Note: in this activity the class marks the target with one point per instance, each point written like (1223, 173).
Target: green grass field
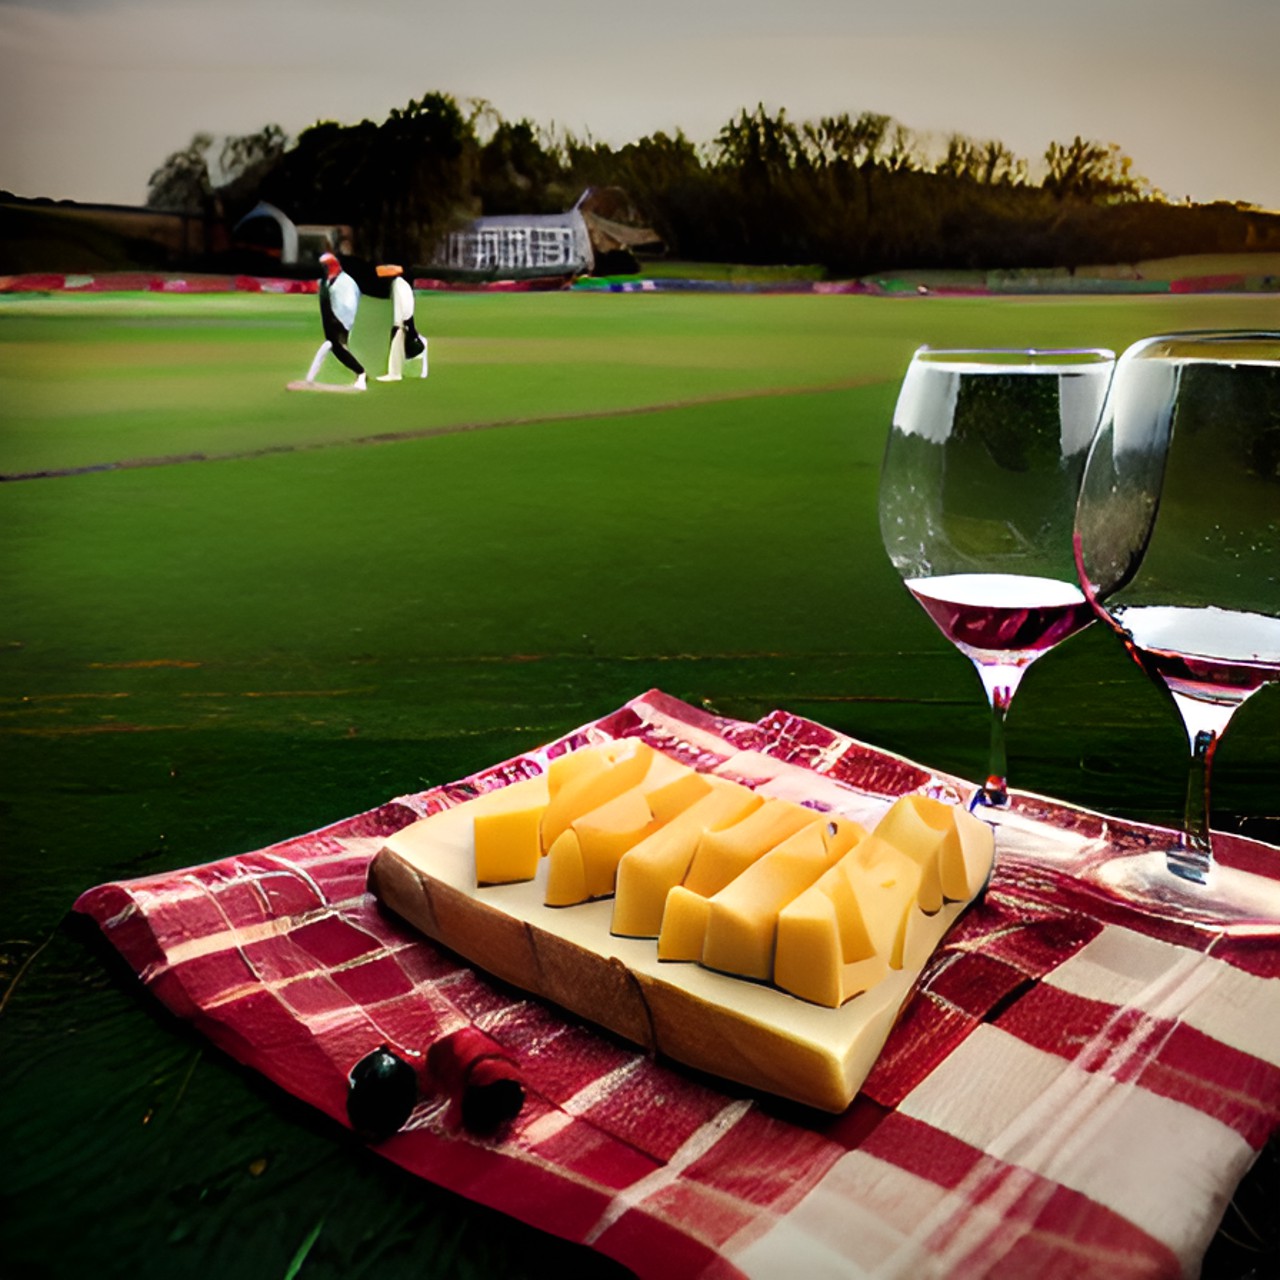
(233, 613)
(590, 495)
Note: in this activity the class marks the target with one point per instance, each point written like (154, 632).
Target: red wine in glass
(977, 500)
(1003, 617)
(1177, 543)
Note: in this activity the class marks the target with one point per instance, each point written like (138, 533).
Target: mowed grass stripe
(673, 532)
(89, 381)
(121, 389)
(421, 433)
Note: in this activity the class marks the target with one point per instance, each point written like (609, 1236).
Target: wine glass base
(1228, 901)
(989, 796)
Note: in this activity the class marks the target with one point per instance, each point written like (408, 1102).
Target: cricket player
(339, 301)
(406, 342)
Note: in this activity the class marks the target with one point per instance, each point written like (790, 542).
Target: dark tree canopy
(852, 193)
(182, 182)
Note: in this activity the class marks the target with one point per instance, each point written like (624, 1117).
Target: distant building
(577, 242)
(520, 244)
(601, 232)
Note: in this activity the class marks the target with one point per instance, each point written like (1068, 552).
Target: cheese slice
(856, 922)
(965, 876)
(918, 827)
(721, 856)
(886, 881)
(606, 773)
(742, 918)
(566, 884)
(503, 827)
(825, 950)
(581, 762)
(649, 870)
(684, 925)
(946, 841)
(584, 859)
(668, 798)
(606, 833)
(506, 834)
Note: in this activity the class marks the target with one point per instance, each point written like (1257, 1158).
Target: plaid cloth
(1075, 1089)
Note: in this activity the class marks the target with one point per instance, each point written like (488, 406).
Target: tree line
(852, 193)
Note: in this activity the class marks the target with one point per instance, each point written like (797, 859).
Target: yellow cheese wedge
(742, 917)
(723, 855)
(853, 925)
(719, 858)
(566, 873)
(578, 763)
(649, 870)
(684, 925)
(886, 882)
(587, 787)
(585, 866)
(951, 845)
(506, 834)
(909, 831)
(920, 828)
(825, 952)
(964, 877)
(667, 799)
(503, 830)
(606, 833)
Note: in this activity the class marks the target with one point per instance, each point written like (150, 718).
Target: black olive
(381, 1092)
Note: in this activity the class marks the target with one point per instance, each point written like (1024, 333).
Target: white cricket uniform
(344, 298)
(406, 341)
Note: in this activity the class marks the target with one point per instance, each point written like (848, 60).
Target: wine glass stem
(996, 789)
(1194, 856)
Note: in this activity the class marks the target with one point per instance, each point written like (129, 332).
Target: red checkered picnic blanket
(1075, 1089)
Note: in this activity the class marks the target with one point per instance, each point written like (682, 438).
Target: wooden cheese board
(744, 1031)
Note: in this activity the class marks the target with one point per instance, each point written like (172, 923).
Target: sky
(95, 94)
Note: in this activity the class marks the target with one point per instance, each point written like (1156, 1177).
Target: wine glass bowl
(978, 495)
(1177, 544)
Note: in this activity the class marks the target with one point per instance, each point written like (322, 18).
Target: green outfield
(589, 495)
(233, 612)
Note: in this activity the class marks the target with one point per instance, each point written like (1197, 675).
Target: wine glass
(1177, 546)
(977, 500)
